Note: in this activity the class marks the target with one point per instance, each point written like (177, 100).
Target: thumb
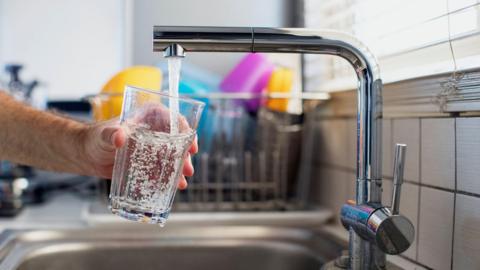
(112, 138)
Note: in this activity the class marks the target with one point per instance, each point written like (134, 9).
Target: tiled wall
(441, 195)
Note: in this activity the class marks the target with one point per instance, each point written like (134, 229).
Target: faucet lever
(398, 168)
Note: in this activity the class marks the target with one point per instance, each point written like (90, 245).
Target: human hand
(104, 138)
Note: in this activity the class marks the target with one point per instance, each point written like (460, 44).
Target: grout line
(420, 120)
(430, 186)
(468, 194)
(419, 196)
(455, 195)
(346, 169)
(417, 235)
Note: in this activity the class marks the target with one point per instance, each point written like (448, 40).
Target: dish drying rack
(249, 161)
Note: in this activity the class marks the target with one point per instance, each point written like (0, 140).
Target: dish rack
(248, 161)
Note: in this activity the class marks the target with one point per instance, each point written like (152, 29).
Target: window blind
(410, 38)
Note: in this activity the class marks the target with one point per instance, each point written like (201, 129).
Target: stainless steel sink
(176, 247)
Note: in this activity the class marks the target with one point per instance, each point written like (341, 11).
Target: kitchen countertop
(69, 210)
(60, 211)
(66, 197)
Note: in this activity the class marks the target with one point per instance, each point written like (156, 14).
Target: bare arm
(52, 142)
(40, 139)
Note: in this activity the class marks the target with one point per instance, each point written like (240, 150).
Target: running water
(174, 66)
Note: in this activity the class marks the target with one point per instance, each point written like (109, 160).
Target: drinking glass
(160, 129)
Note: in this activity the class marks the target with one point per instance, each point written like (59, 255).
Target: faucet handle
(391, 232)
(398, 169)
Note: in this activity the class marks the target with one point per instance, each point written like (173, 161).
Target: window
(410, 38)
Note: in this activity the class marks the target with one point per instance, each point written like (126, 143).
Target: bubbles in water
(152, 165)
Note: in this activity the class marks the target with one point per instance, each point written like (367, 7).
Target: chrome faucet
(368, 245)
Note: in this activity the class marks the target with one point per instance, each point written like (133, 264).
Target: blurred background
(97, 39)
(298, 156)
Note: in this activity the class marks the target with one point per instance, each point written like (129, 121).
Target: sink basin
(149, 247)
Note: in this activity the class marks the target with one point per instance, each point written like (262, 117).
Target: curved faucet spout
(286, 40)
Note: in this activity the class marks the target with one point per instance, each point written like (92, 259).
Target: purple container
(250, 75)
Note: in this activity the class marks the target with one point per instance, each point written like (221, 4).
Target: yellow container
(280, 81)
(108, 104)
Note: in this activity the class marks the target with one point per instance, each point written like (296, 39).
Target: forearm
(40, 139)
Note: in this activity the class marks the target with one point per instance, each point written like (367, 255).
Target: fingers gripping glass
(160, 129)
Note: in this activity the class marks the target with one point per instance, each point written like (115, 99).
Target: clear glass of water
(160, 130)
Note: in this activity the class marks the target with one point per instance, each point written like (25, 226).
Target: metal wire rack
(247, 161)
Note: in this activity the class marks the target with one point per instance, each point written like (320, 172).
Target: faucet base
(342, 263)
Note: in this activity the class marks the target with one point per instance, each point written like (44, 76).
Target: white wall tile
(466, 252)
(408, 131)
(435, 228)
(468, 154)
(438, 152)
(408, 207)
(404, 263)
